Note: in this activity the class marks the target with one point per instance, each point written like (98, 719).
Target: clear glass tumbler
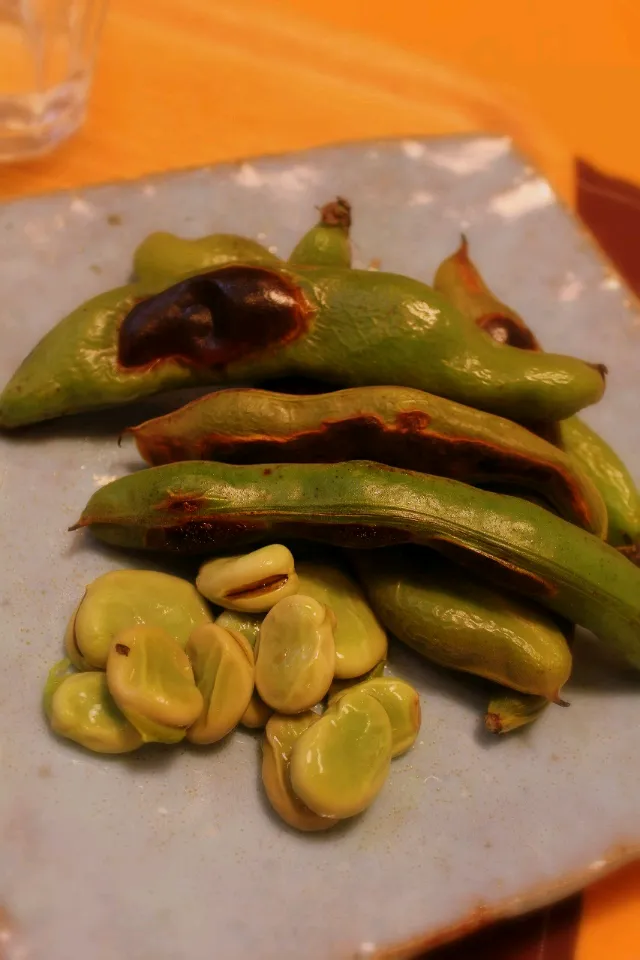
(47, 49)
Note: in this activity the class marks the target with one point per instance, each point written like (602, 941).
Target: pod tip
(631, 552)
(336, 214)
(493, 723)
(125, 433)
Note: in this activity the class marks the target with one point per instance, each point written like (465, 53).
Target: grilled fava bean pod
(360, 504)
(223, 668)
(327, 244)
(151, 680)
(609, 475)
(253, 582)
(459, 279)
(280, 736)
(509, 709)
(436, 608)
(197, 507)
(296, 654)
(162, 258)
(127, 598)
(340, 763)
(248, 322)
(402, 705)
(394, 425)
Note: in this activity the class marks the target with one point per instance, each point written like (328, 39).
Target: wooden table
(189, 83)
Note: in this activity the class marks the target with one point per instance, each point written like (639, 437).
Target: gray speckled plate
(172, 854)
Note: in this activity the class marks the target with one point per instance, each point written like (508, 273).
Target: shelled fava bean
(297, 652)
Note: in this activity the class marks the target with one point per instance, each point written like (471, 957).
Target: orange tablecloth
(203, 80)
(188, 83)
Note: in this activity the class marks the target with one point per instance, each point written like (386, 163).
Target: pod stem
(631, 552)
(493, 722)
(336, 214)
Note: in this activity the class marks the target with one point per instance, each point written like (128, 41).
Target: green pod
(605, 469)
(459, 279)
(440, 611)
(246, 322)
(327, 244)
(197, 507)
(162, 258)
(395, 425)
(84, 373)
(509, 711)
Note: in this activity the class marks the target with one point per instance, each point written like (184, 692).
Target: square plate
(172, 853)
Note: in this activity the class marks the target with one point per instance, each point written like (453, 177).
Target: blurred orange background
(205, 80)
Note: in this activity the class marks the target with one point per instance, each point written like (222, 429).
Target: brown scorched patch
(214, 319)
(407, 443)
(200, 536)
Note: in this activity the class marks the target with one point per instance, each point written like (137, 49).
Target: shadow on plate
(105, 423)
(113, 421)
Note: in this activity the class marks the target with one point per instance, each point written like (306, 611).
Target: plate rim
(541, 895)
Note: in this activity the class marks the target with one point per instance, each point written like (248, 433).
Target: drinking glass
(47, 49)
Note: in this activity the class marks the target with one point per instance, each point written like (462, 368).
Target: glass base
(34, 124)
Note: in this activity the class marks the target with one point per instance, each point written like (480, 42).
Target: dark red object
(610, 208)
(214, 318)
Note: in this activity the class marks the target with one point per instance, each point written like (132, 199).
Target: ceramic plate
(173, 854)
